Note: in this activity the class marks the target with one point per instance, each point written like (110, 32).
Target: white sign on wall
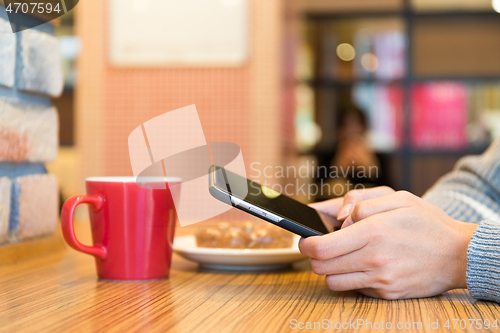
(178, 32)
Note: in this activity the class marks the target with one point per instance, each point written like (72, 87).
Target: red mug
(132, 227)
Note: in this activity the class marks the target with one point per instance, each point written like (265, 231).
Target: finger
(335, 244)
(356, 261)
(355, 196)
(347, 222)
(330, 207)
(351, 239)
(349, 281)
(369, 207)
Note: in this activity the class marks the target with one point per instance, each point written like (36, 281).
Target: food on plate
(247, 235)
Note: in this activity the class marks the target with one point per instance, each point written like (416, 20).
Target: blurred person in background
(352, 161)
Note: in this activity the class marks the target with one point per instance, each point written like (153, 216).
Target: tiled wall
(241, 104)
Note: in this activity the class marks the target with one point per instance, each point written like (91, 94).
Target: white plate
(237, 259)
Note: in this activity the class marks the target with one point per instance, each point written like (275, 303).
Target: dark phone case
(291, 226)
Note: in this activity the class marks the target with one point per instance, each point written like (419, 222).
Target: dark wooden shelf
(352, 15)
(471, 78)
(414, 152)
(398, 13)
(334, 83)
(407, 155)
(325, 83)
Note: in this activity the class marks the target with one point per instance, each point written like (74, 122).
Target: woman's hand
(397, 246)
(341, 208)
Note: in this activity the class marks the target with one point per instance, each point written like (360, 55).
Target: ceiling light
(346, 52)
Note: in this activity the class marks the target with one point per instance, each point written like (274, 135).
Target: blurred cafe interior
(423, 77)
(401, 89)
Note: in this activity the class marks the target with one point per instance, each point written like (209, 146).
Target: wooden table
(60, 292)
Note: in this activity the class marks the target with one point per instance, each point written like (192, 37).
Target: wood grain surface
(31, 248)
(60, 293)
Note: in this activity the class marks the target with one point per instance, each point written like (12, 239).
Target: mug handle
(68, 230)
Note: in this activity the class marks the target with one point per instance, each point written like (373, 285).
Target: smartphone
(268, 205)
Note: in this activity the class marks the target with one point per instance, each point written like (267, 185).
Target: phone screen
(273, 201)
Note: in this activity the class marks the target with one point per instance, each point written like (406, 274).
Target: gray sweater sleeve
(483, 262)
(471, 193)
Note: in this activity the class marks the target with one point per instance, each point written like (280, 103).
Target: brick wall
(30, 73)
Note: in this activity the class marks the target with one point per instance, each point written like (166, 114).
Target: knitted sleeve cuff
(483, 262)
